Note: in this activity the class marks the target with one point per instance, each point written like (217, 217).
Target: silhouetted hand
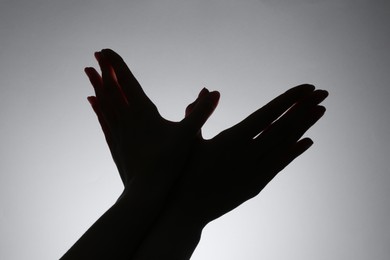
(150, 153)
(231, 168)
(237, 164)
(216, 175)
(143, 144)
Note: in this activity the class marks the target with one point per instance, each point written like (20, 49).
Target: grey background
(57, 176)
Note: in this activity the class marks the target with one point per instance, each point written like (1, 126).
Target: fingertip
(307, 86)
(97, 55)
(88, 70)
(203, 92)
(216, 92)
(91, 100)
(324, 93)
(303, 145)
(307, 142)
(298, 149)
(214, 96)
(319, 110)
(107, 50)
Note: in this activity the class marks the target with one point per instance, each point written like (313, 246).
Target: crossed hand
(170, 163)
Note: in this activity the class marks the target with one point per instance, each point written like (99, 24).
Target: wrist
(174, 236)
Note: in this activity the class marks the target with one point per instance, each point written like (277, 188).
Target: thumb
(198, 112)
(191, 106)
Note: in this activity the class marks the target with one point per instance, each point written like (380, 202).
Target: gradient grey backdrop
(57, 176)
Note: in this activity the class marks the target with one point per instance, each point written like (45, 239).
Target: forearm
(119, 231)
(174, 236)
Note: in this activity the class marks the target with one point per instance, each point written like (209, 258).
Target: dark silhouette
(176, 182)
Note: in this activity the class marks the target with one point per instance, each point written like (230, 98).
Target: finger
(191, 106)
(129, 84)
(111, 89)
(304, 124)
(95, 79)
(259, 120)
(278, 160)
(298, 149)
(105, 105)
(298, 118)
(310, 101)
(201, 112)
